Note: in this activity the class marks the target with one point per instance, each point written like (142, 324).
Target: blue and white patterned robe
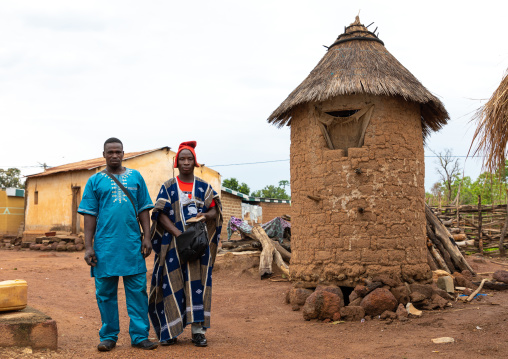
(180, 295)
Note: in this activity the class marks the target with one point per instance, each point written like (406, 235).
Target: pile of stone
(9, 241)
(382, 297)
(59, 243)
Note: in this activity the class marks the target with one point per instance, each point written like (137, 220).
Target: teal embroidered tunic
(117, 243)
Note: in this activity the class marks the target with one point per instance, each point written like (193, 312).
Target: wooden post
(502, 252)
(480, 239)
(458, 214)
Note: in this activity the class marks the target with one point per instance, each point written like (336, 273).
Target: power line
(247, 163)
(255, 163)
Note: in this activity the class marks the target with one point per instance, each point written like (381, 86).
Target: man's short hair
(112, 140)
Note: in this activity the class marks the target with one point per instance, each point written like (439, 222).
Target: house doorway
(76, 199)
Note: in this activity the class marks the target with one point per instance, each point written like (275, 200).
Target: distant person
(114, 247)
(181, 293)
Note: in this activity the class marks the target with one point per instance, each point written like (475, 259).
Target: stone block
(298, 296)
(332, 289)
(28, 328)
(446, 283)
(378, 301)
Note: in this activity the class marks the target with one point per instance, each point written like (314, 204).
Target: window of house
(36, 197)
(344, 129)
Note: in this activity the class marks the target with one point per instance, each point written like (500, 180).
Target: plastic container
(13, 295)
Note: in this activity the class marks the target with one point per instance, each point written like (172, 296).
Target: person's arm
(90, 224)
(168, 225)
(146, 244)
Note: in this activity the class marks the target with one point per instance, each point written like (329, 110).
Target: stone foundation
(28, 328)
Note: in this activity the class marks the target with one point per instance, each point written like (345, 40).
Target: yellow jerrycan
(13, 295)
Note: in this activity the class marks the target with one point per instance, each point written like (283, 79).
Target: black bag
(192, 243)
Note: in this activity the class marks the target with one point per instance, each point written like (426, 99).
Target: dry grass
(491, 134)
(356, 65)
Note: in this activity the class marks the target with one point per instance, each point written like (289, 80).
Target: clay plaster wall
(272, 210)
(331, 240)
(231, 207)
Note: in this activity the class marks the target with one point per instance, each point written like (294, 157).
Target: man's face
(113, 153)
(186, 162)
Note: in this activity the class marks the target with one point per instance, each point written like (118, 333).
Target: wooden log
(442, 251)
(431, 261)
(236, 244)
(244, 248)
(466, 243)
(269, 254)
(459, 237)
(502, 252)
(480, 239)
(444, 236)
(440, 262)
(283, 252)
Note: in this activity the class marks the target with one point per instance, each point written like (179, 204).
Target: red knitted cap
(187, 145)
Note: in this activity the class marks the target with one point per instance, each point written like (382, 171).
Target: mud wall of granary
(331, 240)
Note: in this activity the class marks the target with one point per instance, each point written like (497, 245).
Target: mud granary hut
(358, 124)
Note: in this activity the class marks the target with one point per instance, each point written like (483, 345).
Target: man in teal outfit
(114, 248)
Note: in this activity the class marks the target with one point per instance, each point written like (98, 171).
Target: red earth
(251, 320)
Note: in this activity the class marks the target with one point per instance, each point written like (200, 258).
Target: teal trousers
(106, 290)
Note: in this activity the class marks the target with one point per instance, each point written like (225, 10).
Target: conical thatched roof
(358, 62)
(492, 131)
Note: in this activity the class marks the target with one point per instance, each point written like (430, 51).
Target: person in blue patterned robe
(181, 293)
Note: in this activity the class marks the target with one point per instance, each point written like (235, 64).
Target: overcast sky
(156, 73)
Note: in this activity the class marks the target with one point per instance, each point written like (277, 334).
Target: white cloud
(156, 73)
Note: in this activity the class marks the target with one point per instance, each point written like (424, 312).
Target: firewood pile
(277, 250)
(443, 253)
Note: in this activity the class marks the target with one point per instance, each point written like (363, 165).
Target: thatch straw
(358, 62)
(492, 131)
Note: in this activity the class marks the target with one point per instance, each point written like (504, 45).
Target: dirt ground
(250, 319)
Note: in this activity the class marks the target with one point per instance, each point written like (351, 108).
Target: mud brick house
(53, 196)
(358, 124)
(270, 208)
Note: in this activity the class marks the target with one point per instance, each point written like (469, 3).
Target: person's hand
(90, 257)
(146, 247)
(201, 216)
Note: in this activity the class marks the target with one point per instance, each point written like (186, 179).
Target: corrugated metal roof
(90, 164)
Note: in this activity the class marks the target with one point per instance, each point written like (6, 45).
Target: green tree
(232, 183)
(11, 178)
(284, 183)
(271, 191)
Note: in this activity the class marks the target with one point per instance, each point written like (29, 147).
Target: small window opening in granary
(346, 113)
(343, 129)
(36, 197)
(346, 291)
